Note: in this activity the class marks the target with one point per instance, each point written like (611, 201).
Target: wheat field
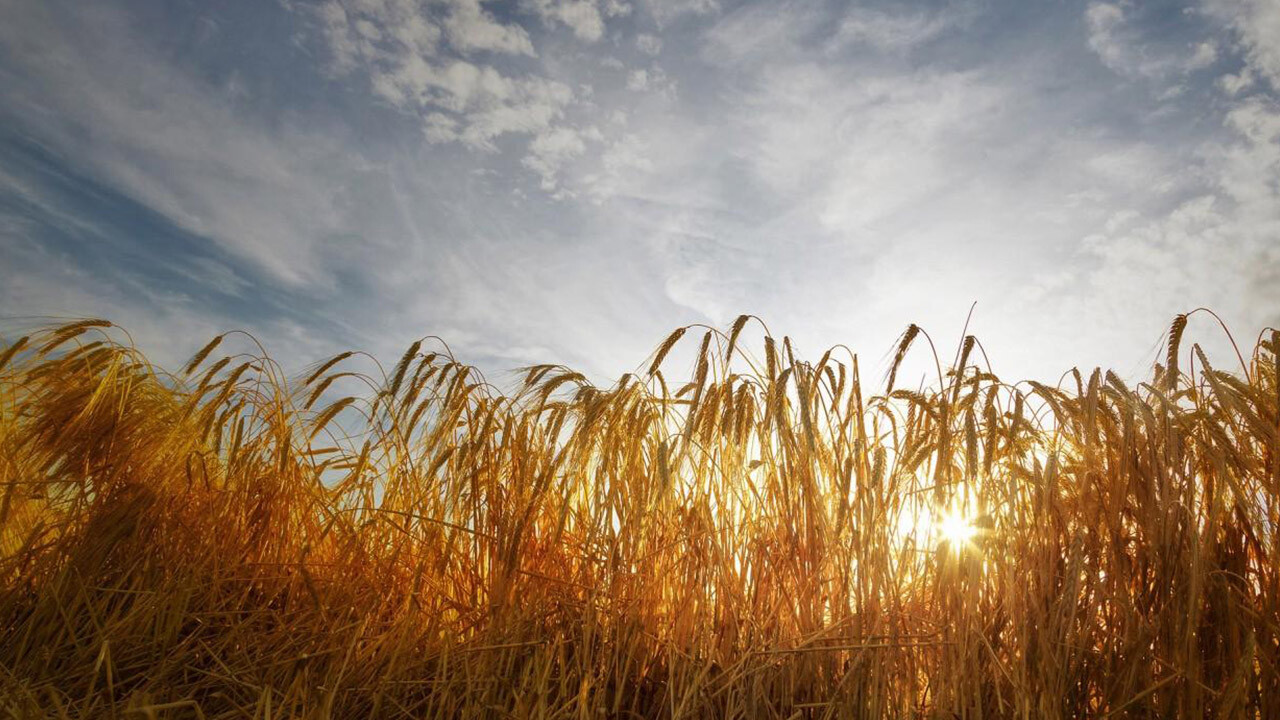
(770, 538)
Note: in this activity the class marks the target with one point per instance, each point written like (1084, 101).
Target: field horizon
(769, 537)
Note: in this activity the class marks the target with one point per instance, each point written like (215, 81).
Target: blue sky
(568, 180)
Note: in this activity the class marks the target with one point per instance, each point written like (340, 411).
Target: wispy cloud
(1257, 25)
(565, 180)
(185, 150)
(896, 29)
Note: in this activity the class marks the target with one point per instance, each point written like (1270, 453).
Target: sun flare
(956, 529)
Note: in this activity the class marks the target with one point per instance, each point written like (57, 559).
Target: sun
(956, 529)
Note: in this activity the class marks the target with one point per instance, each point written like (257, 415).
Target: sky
(567, 181)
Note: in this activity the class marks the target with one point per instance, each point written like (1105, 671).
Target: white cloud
(583, 17)
(460, 100)
(653, 79)
(1235, 84)
(649, 44)
(1204, 55)
(624, 157)
(1124, 47)
(1258, 25)
(892, 31)
(753, 35)
(1104, 20)
(427, 64)
(894, 141)
(1129, 48)
(617, 8)
(1110, 40)
(1215, 249)
(472, 104)
(532, 108)
(665, 12)
(471, 27)
(1120, 46)
(551, 150)
(354, 37)
(638, 80)
(1250, 173)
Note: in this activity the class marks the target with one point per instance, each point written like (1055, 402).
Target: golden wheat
(766, 540)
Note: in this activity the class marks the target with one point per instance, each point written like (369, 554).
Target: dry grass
(756, 543)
